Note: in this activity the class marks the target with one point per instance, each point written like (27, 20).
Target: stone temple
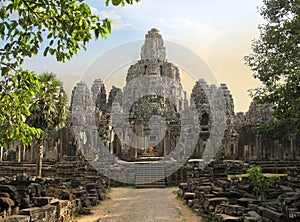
(239, 142)
(168, 102)
(141, 124)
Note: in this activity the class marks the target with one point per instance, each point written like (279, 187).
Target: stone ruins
(239, 142)
(205, 185)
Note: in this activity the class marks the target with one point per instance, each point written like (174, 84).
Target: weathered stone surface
(42, 201)
(35, 213)
(273, 215)
(216, 195)
(189, 196)
(224, 217)
(211, 203)
(16, 218)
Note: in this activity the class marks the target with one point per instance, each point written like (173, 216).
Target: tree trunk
(39, 159)
(19, 153)
(24, 153)
(1, 153)
(293, 146)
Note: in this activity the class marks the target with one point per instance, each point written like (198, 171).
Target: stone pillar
(246, 151)
(167, 137)
(56, 149)
(236, 152)
(258, 147)
(136, 151)
(60, 150)
(276, 143)
(293, 146)
(32, 150)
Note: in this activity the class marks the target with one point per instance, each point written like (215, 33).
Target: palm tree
(49, 112)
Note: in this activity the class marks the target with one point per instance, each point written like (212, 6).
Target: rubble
(235, 200)
(48, 199)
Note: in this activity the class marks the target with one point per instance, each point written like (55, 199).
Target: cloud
(192, 33)
(118, 21)
(186, 26)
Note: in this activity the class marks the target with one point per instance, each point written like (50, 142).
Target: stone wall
(256, 147)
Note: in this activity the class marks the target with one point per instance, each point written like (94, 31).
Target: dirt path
(141, 205)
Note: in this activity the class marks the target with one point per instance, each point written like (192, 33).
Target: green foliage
(275, 61)
(120, 2)
(16, 95)
(60, 27)
(49, 109)
(27, 27)
(260, 182)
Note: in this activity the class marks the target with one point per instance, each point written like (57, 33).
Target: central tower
(154, 46)
(154, 66)
(153, 59)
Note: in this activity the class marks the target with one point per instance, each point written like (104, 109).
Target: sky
(220, 32)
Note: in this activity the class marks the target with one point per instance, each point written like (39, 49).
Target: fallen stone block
(16, 218)
(253, 216)
(286, 188)
(35, 213)
(189, 196)
(246, 201)
(294, 213)
(211, 203)
(42, 201)
(205, 189)
(183, 186)
(273, 215)
(234, 210)
(50, 212)
(252, 219)
(228, 218)
(6, 202)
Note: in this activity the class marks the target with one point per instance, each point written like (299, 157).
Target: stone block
(189, 196)
(184, 186)
(16, 218)
(50, 212)
(246, 201)
(252, 219)
(224, 217)
(211, 203)
(42, 201)
(35, 213)
(273, 215)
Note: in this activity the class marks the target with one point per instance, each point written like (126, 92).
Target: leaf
(49, 35)
(116, 2)
(52, 51)
(46, 51)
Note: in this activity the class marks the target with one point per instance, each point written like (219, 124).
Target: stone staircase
(10, 168)
(149, 175)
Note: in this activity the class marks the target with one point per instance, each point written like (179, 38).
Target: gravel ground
(141, 205)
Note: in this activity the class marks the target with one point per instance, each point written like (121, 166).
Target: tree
(275, 61)
(260, 182)
(27, 27)
(64, 27)
(49, 112)
(16, 95)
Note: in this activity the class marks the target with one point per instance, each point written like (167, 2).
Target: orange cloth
(150, 149)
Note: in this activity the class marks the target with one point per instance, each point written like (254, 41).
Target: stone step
(150, 176)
